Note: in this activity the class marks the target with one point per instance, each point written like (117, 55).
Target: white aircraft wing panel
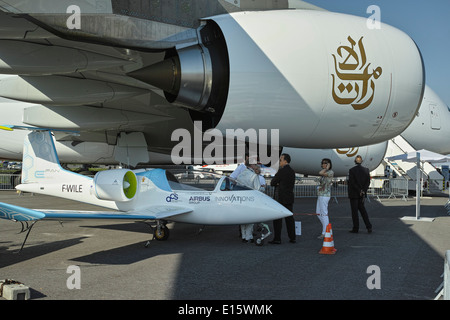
(152, 213)
(11, 212)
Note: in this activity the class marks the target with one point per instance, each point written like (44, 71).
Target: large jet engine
(307, 161)
(323, 79)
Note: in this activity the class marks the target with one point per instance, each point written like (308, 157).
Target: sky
(426, 22)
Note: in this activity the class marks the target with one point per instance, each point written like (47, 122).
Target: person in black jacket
(284, 181)
(358, 183)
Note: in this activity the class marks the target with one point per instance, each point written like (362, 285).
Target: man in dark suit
(358, 183)
(284, 181)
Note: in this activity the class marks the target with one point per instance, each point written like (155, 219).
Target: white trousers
(247, 231)
(322, 210)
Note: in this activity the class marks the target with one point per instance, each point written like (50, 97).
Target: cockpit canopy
(177, 180)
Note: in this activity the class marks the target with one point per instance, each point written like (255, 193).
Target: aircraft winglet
(8, 127)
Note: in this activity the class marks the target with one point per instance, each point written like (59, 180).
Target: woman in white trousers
(324, 194)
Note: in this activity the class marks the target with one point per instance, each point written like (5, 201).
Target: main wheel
(161, 234)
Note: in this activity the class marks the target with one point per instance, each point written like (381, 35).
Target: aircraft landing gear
(160, 231)
(25, 228)
(262, 232)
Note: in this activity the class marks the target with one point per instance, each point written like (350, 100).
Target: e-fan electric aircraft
(145, 194)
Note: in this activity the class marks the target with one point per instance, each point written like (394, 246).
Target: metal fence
(304, 187)
(9, 181)
(379, 188)
(390, 188)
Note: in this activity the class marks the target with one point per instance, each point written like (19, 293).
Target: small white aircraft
(144, 194)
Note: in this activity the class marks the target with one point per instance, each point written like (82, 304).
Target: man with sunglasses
(284, 181)
(358, 183)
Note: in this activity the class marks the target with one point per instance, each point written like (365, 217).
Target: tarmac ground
(404, 258)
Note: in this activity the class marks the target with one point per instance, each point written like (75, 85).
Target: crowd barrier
(390, 188)
(9, 181)
(379, 188)
(304, 187)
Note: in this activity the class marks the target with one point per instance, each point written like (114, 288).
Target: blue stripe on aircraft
(11, 212)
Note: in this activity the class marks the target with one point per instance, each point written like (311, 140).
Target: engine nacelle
(323, 79)
(115, 185)
(431, 127)
(307, 161)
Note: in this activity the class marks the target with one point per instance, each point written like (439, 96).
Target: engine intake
(115, 185)
(195, 77)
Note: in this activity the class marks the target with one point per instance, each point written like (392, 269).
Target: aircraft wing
(128, 74)
(81, 84)
(75, 62)
(17, 213)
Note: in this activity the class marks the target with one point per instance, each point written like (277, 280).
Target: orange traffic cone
(328, 243)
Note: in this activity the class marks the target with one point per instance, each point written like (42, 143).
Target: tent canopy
(425, 155)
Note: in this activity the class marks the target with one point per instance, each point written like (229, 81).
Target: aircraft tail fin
(40, 160)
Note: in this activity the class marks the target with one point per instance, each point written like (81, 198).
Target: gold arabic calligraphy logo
(350, 152)
(354, 79)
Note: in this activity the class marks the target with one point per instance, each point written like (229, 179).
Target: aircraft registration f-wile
(144, 194)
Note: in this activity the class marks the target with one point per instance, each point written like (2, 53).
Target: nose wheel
(160, 231)
(262, 232)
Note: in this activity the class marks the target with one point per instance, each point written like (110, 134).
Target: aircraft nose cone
(285, 213)
(278, 211)
(272, 209)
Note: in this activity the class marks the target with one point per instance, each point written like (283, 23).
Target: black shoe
(369, 230)
(292, 241)
(275, 242)
(353, 231)
(244, 241)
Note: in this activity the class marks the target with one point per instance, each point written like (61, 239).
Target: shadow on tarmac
(215, 264)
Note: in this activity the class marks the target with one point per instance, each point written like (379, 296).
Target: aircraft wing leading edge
(16, 213)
